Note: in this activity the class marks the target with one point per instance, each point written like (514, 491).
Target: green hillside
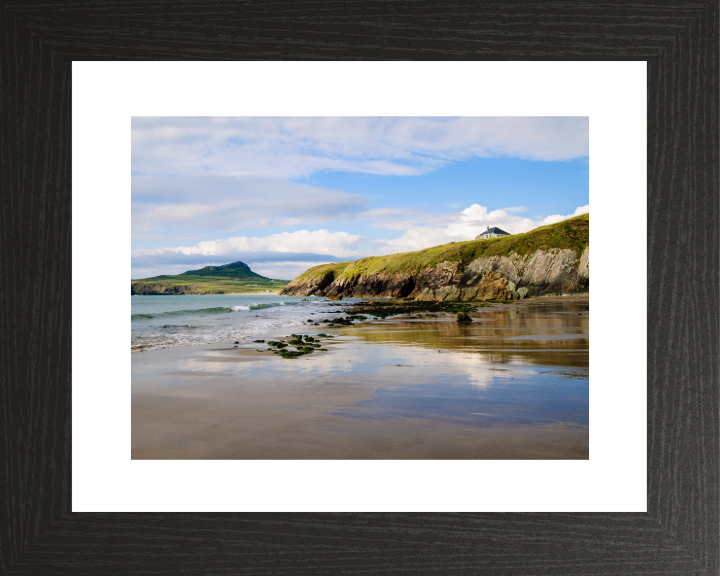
(235, 278)
(573, 233)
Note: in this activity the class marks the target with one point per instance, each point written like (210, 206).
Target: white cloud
(553, 219)
(316, 241)
(466, 225)
(297, 147)
(271, 252)
(230, 203)
(284, 270)
(166, 237)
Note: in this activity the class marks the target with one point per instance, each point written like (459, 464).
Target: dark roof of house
(494, 230)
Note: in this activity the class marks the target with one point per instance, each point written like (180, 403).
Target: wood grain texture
(678, 535)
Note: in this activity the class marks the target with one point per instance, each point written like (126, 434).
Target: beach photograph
(370, 288)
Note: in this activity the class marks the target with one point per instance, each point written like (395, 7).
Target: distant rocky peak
(237, 264)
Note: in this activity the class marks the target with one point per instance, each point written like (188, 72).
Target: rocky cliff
(159, 289)
(550, 260)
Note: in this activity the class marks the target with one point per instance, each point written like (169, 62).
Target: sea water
(167, 321)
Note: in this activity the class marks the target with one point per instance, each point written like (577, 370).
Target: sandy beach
(512, 384)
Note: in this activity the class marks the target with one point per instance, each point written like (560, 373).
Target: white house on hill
(493, 232)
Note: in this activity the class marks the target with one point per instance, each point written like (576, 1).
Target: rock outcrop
(542, 272)
(160, 289)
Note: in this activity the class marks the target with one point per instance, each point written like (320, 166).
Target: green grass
(208, 285)
(320, 271)
(229, 278)
(573, 233)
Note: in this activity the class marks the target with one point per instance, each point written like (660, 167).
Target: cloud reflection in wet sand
(451, 387)
(521, 363)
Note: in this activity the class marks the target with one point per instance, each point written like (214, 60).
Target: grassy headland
(234, 278)
(573, 233)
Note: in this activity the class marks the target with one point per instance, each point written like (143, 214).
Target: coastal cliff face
(543, 272)
(553, 259)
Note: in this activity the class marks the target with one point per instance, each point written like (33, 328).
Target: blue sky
(285, 194)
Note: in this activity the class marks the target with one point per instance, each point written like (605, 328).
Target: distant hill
(233, 278)
(553, 259)
(237, 270)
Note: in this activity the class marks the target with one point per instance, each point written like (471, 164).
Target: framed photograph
(355, 291)
(265, 182)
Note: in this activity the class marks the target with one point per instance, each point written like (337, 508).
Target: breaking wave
(255, 307)
(216, 310)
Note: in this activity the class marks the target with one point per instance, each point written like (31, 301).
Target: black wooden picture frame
(680, 532)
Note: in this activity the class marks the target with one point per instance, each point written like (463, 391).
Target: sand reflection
(512, 384)
(554, 332)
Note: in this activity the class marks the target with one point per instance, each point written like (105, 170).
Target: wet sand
(513, 384)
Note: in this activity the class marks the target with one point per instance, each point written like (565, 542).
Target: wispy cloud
(223, 203)
(393, 218)
(298, 147)
(169, 237)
